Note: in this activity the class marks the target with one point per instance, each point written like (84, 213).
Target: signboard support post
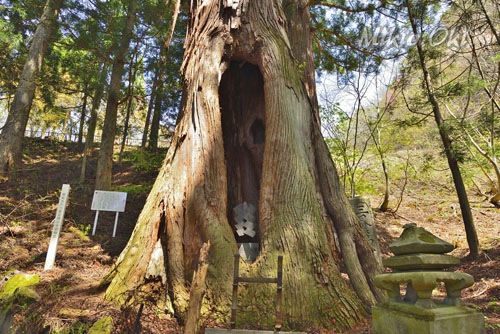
(116, 223)
(56, 230)
(95, 221)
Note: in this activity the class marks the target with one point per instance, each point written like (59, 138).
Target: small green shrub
(133, 189)
(146, 160)
(81, 230)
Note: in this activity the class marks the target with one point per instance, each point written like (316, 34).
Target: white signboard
(56, 230)
(109, 201)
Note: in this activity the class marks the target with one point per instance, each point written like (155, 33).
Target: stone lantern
(419, 260)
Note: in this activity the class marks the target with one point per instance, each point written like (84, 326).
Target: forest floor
(71, 297)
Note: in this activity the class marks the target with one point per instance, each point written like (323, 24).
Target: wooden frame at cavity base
(278, 280)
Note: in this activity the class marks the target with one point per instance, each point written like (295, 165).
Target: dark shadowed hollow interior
(241, 96)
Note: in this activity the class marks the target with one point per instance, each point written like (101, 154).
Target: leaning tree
(11, 137)
(248, 132)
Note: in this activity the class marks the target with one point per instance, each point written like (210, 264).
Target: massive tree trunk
(11, 138)
(105, 160)
(247, 133)
(463, 200)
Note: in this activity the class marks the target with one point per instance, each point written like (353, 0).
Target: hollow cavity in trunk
(241, 94)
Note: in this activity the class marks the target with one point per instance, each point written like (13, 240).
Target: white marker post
(108, 201)
(56, 230)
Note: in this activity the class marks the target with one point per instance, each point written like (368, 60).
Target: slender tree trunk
(8, 105)
(11, 138)
(82, 118)
(150, 108)
(32, 131)
(131, 81)
(155, 123)
(385, 203)
(125, 127)
(146, 123)
(247, 133)
(62, 135)
(105, 160)
(470, 229)
(96, 102)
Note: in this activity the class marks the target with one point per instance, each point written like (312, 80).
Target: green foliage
(133, 189)
(85, 37)
(336, 126)
(82, 231)
(146, 160)
(9, 38)
(339, 29)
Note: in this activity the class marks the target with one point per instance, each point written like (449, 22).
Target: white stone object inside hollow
(248, 251)
(244, 216)
(244, 211)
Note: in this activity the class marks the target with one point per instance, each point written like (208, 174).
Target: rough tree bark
(299, 33)
(247, 132)
(197, 292)
(470, 229)
(105, 160)
(11, 138)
